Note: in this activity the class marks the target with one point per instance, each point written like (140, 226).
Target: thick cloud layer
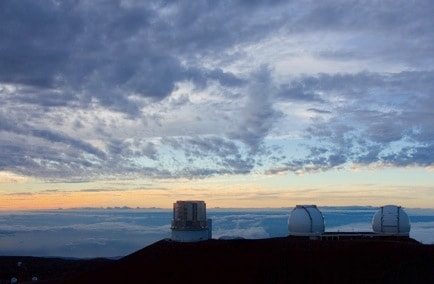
(161, 89)
(118, 232)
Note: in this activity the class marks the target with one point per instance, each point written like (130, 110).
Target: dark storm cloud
(90, 87)
(201, 77)
(225, 78)
(227, 157)
(258, 114)
(376, 119)
(319, 111)
(58, 138)
(36, 40)
(19, 127)
(42, 152)
(410, 156)
(78, 47)
(45, 98)
(309, 88)
(108, 49)
(112, 49)
(394, 30)
(298, 91)
(150, 151)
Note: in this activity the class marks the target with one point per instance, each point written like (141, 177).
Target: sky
(238, 103)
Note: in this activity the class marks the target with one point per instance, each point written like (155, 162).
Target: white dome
(306, 220)
(391, 220)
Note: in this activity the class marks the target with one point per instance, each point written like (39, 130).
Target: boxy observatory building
(189, 222)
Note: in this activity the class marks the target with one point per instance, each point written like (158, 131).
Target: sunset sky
(238, 103)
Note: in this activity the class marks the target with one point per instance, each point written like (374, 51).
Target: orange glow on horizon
(229, 197)
(407, 188)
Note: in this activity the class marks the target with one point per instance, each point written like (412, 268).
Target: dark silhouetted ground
(276, 260)
(45, 268)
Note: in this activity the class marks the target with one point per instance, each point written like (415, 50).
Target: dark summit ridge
(276, 260)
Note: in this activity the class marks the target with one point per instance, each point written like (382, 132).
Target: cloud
(112, 232)
(169, 90)
(371, 118)
(226, 156)
(257, 115)
(81, 233)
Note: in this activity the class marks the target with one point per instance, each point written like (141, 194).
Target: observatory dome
(306, 220)
(391, 220)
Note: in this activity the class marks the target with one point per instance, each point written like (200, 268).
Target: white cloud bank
(111, 232)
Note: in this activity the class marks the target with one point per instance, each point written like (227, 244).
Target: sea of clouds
(118, 232)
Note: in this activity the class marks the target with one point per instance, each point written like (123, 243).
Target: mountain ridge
(274, 260)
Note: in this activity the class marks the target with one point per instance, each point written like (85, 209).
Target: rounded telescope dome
(391, 220)
(306, 220)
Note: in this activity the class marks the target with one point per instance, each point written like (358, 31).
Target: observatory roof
(391, 220)
(306, 220)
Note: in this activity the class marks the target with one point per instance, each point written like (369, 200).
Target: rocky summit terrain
(274, 260)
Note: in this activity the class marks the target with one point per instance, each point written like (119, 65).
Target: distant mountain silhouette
(274, 260)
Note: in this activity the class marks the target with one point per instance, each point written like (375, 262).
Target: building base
(190, 236)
